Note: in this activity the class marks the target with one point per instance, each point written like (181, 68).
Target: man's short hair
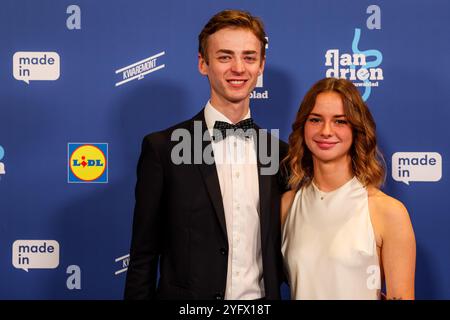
(231, 19)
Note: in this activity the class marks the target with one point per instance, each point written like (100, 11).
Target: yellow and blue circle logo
(88, 163)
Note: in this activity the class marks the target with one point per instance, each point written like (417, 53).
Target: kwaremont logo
(124, 261)
(139, 69)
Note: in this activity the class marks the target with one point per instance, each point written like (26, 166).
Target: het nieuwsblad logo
(87, 162)
(257, 93)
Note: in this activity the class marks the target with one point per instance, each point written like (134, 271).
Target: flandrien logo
(139, 69)
(257, 94)
(2, 165)
(416, 166)
(357, 67)
(35, 254)
(87, 162)
(36, 66)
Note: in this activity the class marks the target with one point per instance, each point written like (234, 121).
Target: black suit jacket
(179, 221)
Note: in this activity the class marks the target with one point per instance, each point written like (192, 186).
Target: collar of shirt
(212, 115)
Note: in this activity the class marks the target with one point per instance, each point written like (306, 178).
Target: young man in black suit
(209, 214)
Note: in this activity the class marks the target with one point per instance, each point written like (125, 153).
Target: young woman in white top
(343, 238)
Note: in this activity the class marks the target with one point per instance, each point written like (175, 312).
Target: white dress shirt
(236, 163)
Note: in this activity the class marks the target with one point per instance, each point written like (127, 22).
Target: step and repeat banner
(83, 81)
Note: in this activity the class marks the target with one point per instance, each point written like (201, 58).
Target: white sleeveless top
(329, 246)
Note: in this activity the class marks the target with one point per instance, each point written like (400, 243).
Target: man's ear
(202, 65)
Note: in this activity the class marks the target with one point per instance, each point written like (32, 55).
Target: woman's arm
(398, 252)
(286, 202)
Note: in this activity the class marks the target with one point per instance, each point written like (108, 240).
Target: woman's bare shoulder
(384, 203)
(387, 212)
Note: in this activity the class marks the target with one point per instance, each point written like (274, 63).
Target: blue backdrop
(102, 74)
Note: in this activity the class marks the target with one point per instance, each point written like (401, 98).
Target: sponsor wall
(83, 81)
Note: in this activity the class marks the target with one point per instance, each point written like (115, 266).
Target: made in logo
(416, 166)
(35, 254)
(30, 66)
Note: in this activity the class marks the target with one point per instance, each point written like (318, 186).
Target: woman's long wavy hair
(367, 162)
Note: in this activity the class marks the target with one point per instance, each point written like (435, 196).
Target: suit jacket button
(223, 251)
(218, 296)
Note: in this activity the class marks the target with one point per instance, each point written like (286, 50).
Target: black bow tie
(240, 129)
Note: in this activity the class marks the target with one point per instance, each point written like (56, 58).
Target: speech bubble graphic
(28, 66)
(416, 166)
(35, 254)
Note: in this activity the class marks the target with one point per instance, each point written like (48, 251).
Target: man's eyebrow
(226, 51)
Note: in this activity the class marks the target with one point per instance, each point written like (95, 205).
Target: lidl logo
(87, 163)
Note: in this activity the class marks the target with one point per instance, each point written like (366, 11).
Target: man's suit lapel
(209, 175)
